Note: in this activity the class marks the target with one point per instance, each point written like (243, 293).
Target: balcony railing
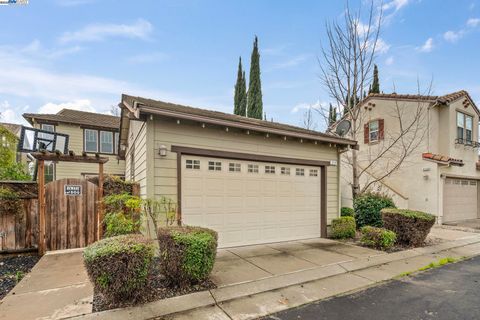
(469, 143)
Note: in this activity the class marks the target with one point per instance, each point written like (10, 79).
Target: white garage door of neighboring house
(250, 202)
(460, 200)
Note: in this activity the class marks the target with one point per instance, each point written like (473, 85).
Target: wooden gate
(71, 214)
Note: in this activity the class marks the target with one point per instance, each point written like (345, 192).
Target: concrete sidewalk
(57, 287)
(252, 281)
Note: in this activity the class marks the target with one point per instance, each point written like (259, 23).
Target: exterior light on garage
(285, 138)
(162, 151)
(178, 121)
(226, 129)
(301, 140)
(203, 125)
(267, 135)
(316, 142)
(248, 131)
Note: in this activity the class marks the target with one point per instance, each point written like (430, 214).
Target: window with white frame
(464, 128)
(91, 140)
(192, 164)
(313, 173)
(48, 127)
(285, 171)
(253, 168)
(106, 142)
(214, 166)
(373, 130)
(234, 167)
(270, 169)
(299, 171)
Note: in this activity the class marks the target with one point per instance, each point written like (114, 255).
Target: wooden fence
(19, 232)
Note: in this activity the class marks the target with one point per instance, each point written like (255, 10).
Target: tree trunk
(355, 177)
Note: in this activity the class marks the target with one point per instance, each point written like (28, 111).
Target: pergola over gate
(58, 157)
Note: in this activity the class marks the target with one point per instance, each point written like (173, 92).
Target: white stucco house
(441, 176)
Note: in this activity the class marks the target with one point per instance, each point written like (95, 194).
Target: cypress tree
(375, 86)
(254, 96)
(332, 115)
(239, 98)
(243, 100)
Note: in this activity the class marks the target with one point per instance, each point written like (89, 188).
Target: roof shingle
(77, 117)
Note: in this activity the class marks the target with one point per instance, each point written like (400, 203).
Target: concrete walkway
(252, 281)
(57, 287)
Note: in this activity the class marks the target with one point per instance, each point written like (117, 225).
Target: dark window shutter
(366, 133)
(381, 127)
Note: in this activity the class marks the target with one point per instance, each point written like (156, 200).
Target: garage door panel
(460, 200)
(251, 207)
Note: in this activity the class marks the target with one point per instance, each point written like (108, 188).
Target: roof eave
(234, 124)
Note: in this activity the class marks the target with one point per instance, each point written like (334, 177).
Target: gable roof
(138, 105)
(12, 127)
(70, 116)
(442, 100)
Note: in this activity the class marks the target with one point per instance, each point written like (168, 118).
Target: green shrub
(347, 212)
(119, 266)
(122, 216)
(116, 224)
(343, 227)
(187, 254)
(367, 208)
(411, 227)
(378, 238)
(14, 171)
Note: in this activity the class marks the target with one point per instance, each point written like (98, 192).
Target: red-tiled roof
(442, 159)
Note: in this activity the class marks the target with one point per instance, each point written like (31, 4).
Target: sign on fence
(72, 190)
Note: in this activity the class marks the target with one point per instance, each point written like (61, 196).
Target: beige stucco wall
(162, 172)
(417, 180)
(75, 169)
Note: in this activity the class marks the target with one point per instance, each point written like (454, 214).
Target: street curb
(228, 293)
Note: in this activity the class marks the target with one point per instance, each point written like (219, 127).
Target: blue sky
(83, 54)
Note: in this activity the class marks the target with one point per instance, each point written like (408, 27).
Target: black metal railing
(470, 143)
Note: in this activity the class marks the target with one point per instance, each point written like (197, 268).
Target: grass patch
(432, 265)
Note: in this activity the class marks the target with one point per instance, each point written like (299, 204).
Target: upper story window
(464, 127)
(48, 127)
(91, 140)
(373, 131)
(100, 141)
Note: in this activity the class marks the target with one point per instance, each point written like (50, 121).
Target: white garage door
(251, 202)
(460, 200)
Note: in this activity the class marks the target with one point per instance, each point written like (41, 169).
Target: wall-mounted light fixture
(162, 151)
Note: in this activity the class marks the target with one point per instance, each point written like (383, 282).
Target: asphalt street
(450, 292)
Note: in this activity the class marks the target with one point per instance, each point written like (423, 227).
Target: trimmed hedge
(343, 227)
(367, 208)
(378, 238)
(187, 254)
(411, 227)
(347, 212)
(119, 266)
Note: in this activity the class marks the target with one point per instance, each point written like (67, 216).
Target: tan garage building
(251, 180)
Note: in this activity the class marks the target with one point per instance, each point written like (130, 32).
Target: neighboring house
(9, 137)
(441, 176)
(251, 180)
(88, 132)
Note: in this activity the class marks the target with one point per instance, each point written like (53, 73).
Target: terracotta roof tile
(442, 159)
(77, 117)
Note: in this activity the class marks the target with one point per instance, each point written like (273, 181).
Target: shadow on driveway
(451, 292)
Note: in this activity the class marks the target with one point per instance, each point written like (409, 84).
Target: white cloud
(473, 22)
(11, 114)
(395, 5)
(382, 47)
(302, 106)
(389, 61)
(427, 46)
(148, 57)
(81, 105)
(452, 36)
(292, 62)
(36, 49)
(141, 29)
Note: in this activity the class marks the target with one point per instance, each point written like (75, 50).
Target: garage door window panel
(270, 169)
(285, 171)
(214, 166)
(299, 172)
(234, 167)
(253, 168)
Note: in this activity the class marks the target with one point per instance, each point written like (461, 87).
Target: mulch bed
(158, 290)
(356, 241)
(13, 269)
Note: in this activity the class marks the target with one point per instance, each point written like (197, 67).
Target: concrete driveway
(250, 263)
(470, 224)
